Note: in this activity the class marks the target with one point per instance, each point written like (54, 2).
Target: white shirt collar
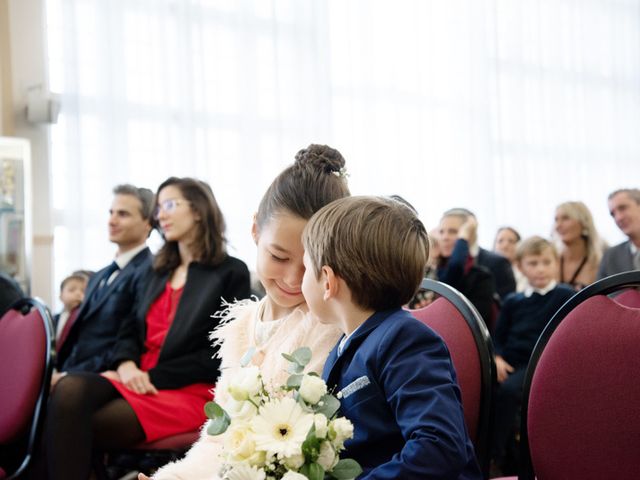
(542, 291)
(633, 247)
(474, 250)
(343, 340)
(124, 258)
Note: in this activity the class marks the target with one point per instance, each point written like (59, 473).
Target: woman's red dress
(170, 412)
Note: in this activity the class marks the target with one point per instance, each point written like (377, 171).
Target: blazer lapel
(333, 364)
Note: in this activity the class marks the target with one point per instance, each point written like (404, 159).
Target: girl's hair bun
(321, 157)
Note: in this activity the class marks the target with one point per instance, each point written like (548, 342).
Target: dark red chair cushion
(447, 321)
(22, 365)
(584, 405)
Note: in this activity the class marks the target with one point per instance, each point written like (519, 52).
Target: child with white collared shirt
(522, 319)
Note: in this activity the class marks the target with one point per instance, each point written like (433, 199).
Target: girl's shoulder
(235, 316)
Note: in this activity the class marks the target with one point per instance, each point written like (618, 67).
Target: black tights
(85, 412)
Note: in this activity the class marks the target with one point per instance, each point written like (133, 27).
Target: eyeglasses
(168, 206)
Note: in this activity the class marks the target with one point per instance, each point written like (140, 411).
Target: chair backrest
(461, 327)
(26, 364)
(581, 410)
(629, 298)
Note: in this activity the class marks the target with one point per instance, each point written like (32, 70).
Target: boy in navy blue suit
(364, 259)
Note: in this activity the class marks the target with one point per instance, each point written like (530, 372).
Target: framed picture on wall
(15, 203)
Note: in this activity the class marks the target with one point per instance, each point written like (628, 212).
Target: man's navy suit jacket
(501, 269)
(90, 344)
(400, 392)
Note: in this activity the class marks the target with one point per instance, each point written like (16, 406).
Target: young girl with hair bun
(280, 322)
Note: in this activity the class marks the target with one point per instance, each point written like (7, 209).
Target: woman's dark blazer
(187, 355)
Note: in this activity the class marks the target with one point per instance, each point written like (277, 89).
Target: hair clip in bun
(342, 173)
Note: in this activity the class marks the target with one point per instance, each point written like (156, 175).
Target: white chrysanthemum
(340, 429)
(293, 476)
(243, 472)
(281, 427)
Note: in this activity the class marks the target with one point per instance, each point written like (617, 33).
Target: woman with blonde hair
(579, 244)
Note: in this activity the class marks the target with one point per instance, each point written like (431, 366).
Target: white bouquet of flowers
(289, 433)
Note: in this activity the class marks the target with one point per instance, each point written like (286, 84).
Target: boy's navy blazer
(399, 390)
(92, 338)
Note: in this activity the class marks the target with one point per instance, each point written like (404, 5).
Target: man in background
(114, 291)
(499, 266)
(624, 206)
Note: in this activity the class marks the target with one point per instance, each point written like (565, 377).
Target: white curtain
(507, 107)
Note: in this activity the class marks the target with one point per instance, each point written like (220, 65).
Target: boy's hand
(468, 228)
(135, 379)
(142, 476)
(503, 369)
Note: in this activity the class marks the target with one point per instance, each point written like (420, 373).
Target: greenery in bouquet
(288, 432)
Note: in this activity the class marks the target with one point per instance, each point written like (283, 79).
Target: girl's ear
(330, 283)
(254, 229)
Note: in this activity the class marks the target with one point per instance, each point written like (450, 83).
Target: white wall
(27, 52)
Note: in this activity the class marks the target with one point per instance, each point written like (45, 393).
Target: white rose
(312, 389)
(238, 441)
(246, 383)
(293, 476)
(340, 430)
(320, 422)
(240, 410)
(294, 462)
(327, 458)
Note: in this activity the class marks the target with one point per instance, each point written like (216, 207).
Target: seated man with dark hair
(113, 292)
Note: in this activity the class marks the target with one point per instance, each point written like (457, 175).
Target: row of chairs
(580, 417)
(581, 411)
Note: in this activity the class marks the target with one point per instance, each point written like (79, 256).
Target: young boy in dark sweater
(521, 321)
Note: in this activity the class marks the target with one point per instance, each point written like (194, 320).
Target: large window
(506, 107)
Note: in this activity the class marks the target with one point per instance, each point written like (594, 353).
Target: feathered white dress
(241, 330)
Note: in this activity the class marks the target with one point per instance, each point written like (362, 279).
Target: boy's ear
(254, 229)
(330, 283)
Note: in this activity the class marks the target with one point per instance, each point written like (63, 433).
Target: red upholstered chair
(26, 364)
(461, 327)
(581, 411)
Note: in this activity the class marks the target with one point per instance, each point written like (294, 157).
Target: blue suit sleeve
(453, 272)
(421, 390)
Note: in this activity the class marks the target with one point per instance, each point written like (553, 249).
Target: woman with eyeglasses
(163, 369)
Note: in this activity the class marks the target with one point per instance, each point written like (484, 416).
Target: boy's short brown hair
(534, 246)
(377, 245)
(80, 277)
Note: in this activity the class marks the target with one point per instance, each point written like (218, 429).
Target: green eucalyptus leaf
(219, 425)
(289, 357)
(295, 368)
(328, 405)
(312, 471)
(311, 446)
(213, 410)
(246, 358)
(302, 356)
(302, 403)
(294, 381)
(346, 469)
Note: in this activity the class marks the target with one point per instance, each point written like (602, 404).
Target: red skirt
(170, 412)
